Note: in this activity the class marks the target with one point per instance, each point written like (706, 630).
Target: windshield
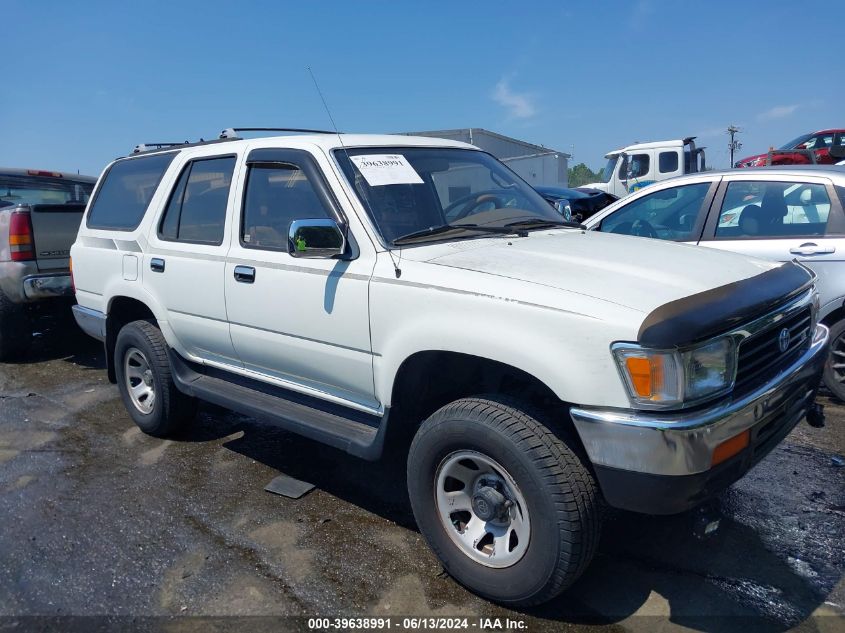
(607, 172)
(406, 190)
(17, 190)
(797, 141)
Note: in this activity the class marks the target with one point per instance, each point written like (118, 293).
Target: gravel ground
(98, 519)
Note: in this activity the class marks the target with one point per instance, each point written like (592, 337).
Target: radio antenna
(396, 268)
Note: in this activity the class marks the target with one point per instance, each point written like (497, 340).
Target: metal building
(538, 165)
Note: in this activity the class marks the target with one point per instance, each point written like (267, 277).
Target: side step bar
(316, 420)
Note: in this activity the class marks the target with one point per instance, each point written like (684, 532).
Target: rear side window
(196, 211)
(773, 209)
(126, 191)
(15, 190)
(668, 162)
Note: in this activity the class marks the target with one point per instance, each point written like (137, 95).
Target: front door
(302, 322)
(638, 170)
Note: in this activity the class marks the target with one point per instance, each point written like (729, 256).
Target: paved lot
(99, 519)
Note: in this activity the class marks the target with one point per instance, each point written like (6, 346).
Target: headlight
(670, 378)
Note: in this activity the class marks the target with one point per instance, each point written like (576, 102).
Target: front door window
(667, 214)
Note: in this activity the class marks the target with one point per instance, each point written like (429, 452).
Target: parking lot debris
(289, 487)
(706, 520)
(838, 461)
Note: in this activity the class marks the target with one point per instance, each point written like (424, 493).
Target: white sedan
(781, 213)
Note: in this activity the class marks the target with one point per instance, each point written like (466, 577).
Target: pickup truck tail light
(72, 282)
(21, 244)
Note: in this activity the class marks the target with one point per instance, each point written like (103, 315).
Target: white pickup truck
(361, 289)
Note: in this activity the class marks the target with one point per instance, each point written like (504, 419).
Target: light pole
(734, 144)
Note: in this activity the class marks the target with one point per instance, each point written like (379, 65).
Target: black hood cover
(704, 315)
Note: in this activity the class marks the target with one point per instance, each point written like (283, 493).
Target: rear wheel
(15, 330)
(145, 381)
(506, 504)
(834, 369)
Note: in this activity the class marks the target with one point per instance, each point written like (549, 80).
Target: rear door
(783, 219)
(184, 264)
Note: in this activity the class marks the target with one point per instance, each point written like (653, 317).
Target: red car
(815, 143)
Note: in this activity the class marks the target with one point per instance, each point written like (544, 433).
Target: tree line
(580, 175)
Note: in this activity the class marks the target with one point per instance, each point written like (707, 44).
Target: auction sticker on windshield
(386, 169)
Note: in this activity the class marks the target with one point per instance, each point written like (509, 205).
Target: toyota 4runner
(358, 289)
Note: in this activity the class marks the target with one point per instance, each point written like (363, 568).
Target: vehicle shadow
(56, 336)
(644, 565)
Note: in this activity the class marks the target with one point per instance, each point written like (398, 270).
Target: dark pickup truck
(40, 213)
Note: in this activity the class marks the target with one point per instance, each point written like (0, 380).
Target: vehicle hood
(638, 273)
(597, 186)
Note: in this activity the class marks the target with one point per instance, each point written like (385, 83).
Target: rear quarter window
(126, 191)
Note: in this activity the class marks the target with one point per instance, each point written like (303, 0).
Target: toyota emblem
(783, 340)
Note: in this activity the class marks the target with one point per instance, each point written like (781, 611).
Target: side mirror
(563, 207)
(317, 238)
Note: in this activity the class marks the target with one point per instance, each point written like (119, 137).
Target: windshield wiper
(445, 228)
(540, 223)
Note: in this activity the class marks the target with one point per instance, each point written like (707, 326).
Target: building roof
(475, 131)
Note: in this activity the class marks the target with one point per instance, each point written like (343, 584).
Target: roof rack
(148, 147)
(143, 148)
(231, 132)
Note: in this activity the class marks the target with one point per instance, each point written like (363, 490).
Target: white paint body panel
(549, 304)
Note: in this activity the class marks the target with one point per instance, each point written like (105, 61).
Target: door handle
(245, 274)
(157, 265)
(811, 248)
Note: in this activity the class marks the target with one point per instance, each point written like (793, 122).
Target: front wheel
(506, 504)
(834, 369)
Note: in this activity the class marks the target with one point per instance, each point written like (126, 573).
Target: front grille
(760, 358)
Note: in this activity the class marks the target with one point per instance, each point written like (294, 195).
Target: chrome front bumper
(677, 443)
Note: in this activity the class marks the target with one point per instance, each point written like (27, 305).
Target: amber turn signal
(731, 447)
(646, 375)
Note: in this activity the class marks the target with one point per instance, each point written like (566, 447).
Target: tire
(541, 471)
(140, 361)
(15, 330)
(834, 377)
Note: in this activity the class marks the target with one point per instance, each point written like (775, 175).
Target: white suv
(361, 289)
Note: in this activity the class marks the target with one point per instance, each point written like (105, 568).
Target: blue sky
(87, 81)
